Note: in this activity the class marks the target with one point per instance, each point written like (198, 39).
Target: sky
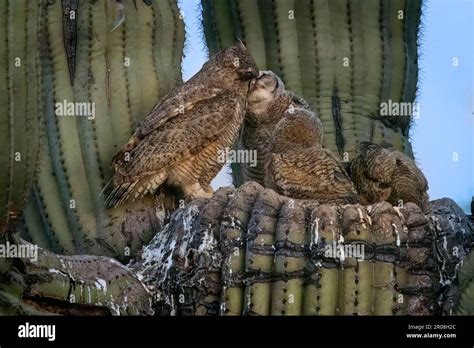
(443, 136)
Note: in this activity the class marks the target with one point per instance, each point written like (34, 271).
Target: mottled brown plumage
(381, 173)
(178, 142)
(298, 167)
(267, 101)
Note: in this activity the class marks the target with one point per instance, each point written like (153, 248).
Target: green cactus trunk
(20, 104)
(118, 59)
(345, 57)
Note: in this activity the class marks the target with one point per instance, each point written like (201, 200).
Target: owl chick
(381, 173)
(178, 142)
(267, 101)
(298, 167)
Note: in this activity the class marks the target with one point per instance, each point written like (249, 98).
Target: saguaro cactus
(104, 65)
(345, 57)
(20, 104)
(251, 251)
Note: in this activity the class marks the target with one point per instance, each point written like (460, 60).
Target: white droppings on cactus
(172, 306)
(160, 213)
(369, 209)
(361, 218)
(395, 229)
(443, 281)
(89, 296)
(208, 242)
(399, 213)
(342, 255)
(223, 307)
(114, 307)
(232, 221)
(445, 243)
(189, 217)
(101, 284)
(263, 241)
(230, 265)
(249, 299)
(314, 232)
(453, 228)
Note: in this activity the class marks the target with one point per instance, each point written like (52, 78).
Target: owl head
(298, 129)
(231, 67)
(265, 90)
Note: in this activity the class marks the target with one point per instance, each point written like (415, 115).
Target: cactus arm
(93, 155)
(222, 10)
(251, 26)
(465, 305)
(326, 68)
(307, 40)
(34, 225)
(99, 21)
(412, 21)
(396, 42)
(19, 88)
(269, 27)
(76, 152)
(19, 99)
(373, 55)
(55, 284)
(178, 42)
(288, 43)
(6, 157)
(210, 27)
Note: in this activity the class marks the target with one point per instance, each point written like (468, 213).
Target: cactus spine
(345, 57)
(20, 107)
(118, 59)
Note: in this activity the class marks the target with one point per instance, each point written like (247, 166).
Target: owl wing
(181, 99)
(309, 174)
(373, 171)
(185, 136)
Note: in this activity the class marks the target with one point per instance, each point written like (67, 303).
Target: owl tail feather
(120, 194)
(132, 190)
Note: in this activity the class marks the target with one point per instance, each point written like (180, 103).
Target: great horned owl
(267, 101)
(381, 173)
(177, 143)
(298, 167)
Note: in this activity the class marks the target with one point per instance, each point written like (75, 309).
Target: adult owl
(381, 173)
(178, 142)
(297, 165)
(267, 102)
